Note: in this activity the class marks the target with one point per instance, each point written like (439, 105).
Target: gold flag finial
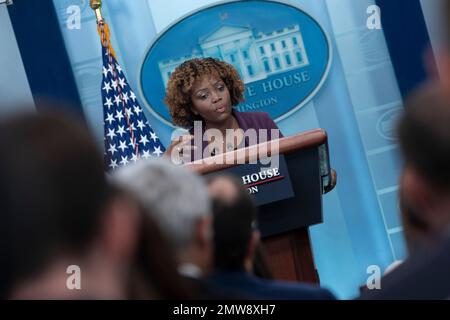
(96, 5)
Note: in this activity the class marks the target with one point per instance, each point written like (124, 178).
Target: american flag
(128, 135)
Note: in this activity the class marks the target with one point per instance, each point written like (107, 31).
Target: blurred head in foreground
(235, 237)
(61, 227)
(424, 136)
(177, 200)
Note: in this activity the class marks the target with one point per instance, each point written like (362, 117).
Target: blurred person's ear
(433, 64)
(252, 247)
(203, 232)
(439, 70)
(202, 245)
(414, 227)
(253, 243)
(422, 202)
(120, 228)
(414, 193)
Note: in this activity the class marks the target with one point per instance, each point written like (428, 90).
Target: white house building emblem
(281, 53)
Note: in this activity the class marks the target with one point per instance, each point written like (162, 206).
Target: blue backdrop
(357, 105)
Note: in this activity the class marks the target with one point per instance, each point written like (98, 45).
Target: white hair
(175, 197)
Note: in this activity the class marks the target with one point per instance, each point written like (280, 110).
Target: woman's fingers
(182, 146)
(183, 142)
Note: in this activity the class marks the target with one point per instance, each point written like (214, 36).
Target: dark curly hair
(179, 87)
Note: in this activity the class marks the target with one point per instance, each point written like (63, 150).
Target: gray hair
(175, 197)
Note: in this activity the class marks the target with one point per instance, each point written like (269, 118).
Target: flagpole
(96, 5)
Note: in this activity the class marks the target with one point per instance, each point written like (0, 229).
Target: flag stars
(125, 97)
(141, 125)
(108, 103)
(124, 161)
(137, 110)
(122, 83)
(110, 69)
(146, 154)
(114, 84)
(128, 112)
(134, 157)
(117, 100)
(158, 151)
(110, 118)
(123, 145)
(111, 134)
(144, 140)
(119, 115)
(113, 164)
(121, 130)
(112, 149)
(132, 143)
(128, 135)
(153, 136)
(132, 128)
(107, 87)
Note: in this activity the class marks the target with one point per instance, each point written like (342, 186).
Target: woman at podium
(202, 95)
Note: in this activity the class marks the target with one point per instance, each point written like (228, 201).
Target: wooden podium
(288, 203)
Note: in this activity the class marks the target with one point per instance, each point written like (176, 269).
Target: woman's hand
(179, 149)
